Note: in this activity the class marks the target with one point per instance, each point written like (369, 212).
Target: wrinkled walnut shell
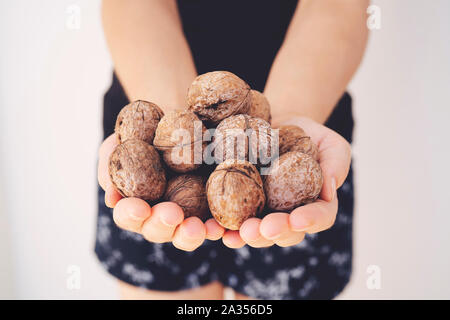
(138, 120)
(214, 96)
(235, 193)
(188, 191)
(294, 179)
(136, 171)
(243, 137)
(294, 138)
(259, 106)
(179, 136)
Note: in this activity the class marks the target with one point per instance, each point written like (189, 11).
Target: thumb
(334, 159)
(112, 196)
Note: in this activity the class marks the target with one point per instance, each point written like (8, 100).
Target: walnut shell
(235, 193)
(294, 138)
(189, 192)
(243, 137)
(136, 171)
(179, 136)
(138, 120)
(259, 106)
(214, 96)
(294, 179)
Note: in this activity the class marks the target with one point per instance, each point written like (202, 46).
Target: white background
(51, 85)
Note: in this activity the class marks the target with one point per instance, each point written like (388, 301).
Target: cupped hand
(163, 222)
(285, 229)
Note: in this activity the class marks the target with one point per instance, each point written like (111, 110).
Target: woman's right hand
(163, 222)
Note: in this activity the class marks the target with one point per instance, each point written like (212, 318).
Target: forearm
(150, 54)
(322, 50)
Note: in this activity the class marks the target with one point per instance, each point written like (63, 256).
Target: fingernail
(168, 224)
(253, 238)
(333, 189)
(138, 215)
(191, 235)
(108, 192)
(301, 224)
(274, 237)
(107, 201)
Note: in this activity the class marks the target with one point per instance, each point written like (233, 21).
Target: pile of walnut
(150, 151)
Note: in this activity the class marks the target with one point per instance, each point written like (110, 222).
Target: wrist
(286, 107)
(281, 118)
(317, 113)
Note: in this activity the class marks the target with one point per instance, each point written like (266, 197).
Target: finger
(214, 231)
(104, 152)
(232, 239)
(274, 225)
(190, 234)
(249, 233)
(161, 225)
(112, 196)
(314, 217)
(130, 214)
(291, 238)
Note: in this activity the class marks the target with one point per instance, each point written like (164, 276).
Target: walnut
(179, 136)
(259, 106)
(136, 171)
(294, 138)
(243, 137)
(235, 193)
(138, 120)
(294, 179)
(188, 191)
(214, 96)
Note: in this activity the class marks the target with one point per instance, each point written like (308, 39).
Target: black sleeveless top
(242, 37)
(239, 36)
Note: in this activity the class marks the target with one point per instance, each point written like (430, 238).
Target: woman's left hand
(285, 229)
